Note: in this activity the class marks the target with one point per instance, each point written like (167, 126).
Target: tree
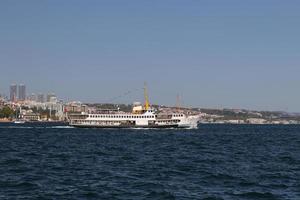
(6, 112)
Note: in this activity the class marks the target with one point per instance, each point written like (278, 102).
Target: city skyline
(215, 54)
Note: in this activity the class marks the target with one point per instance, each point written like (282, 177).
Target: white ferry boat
(140, 117)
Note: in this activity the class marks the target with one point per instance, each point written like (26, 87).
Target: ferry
(142, 116)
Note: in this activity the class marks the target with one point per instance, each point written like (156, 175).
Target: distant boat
(18, 121)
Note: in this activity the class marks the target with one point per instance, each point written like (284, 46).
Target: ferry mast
(147, 104)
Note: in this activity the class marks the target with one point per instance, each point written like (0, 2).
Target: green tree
(6, 112)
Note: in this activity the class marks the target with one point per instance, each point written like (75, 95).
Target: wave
(35, 127)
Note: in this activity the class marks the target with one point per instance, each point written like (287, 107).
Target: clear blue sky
(215, 53)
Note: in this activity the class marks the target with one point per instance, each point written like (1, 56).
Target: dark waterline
(40, 161)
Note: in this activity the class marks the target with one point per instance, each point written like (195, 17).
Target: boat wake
(58, 127)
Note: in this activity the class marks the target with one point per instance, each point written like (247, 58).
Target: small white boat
(19, 122)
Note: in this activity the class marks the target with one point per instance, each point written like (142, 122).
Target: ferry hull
(126, 126)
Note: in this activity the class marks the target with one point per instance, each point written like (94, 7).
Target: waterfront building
(22, 92)
(31, 116)
(13, 92)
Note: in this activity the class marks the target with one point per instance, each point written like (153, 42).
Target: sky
(213, 53)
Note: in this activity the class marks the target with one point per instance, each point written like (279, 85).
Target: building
(22, 92)
(75, 107)
(31, 117)
(49, 96)
(32, 97)
(53, 100)
(13, 92)
(40, 98)
(256, 121)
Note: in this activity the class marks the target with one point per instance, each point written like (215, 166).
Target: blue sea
(213, 162)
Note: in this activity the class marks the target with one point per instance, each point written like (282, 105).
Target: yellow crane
(147, 104)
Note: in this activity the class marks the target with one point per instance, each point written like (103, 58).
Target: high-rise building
(22, 92)
(13, 92)
(40, 98)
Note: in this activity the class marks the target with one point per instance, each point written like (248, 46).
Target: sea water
(40, 161)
